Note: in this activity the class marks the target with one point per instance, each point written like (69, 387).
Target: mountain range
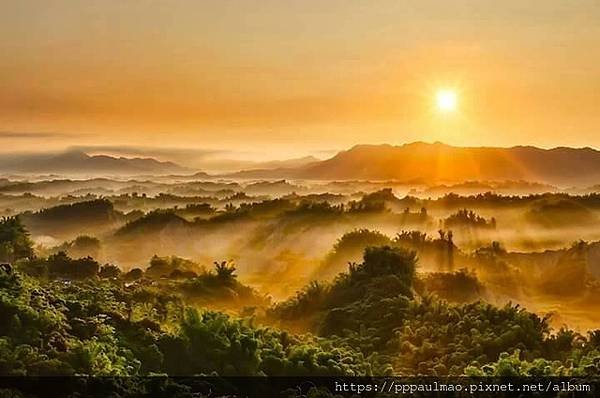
(80, 163)
(420, 162)
(416, 163)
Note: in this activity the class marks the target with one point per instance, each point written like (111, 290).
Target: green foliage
(373, 202)
(558, 213)
(468, 218)
(109, 271)
(508, 365)
(349, 248)
(219, 286)
(14, 240)
(65, 316)
(452, 336)
(133, 275)
(165, 266)
(152, 222)
(461, 286)
(81, 327)
(316, 209)
(87, 211)
(82, 246)
(413, 239)
(212, 342)
(60, 264)
(81, 217)
(373, 308)
(442, 248)
(225, 271)
(359, 298)
(360, 239)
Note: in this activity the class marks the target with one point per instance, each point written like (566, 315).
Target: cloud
(16, 135)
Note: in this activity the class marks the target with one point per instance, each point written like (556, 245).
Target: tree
(60, 264)
(109, 271)
(225, 270)
(134, 274)
(84, 246)
(15, 243)
(387, 260)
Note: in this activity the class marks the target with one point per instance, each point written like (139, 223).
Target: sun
(446, 100)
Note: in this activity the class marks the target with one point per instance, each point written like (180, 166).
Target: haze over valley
(306, 222)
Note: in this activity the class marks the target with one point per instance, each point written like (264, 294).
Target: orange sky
(297, 76)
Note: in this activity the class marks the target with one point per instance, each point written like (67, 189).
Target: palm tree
(225, 270)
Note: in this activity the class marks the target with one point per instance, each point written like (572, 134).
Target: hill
(69, 220)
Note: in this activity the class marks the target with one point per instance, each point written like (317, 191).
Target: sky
(288, 78)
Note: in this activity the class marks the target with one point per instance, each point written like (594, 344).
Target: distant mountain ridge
(437, 162)
(80, 163)
(289, 163)
(417, 163)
